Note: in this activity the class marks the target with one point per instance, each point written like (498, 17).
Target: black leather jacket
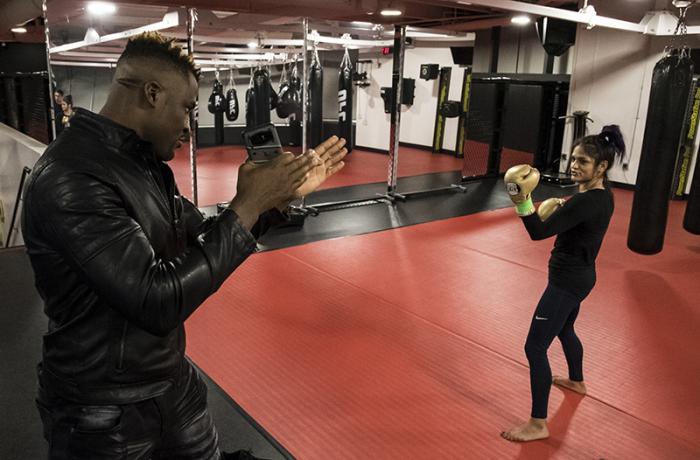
(121, 260)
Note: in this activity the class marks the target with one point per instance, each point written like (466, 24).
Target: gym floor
(396, 331)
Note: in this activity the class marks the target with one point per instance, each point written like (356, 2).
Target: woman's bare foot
(535, 428)
(578, 387)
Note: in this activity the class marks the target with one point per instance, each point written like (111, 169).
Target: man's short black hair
(59, 91)
(152, 45)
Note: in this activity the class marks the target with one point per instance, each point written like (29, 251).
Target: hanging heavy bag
(250, 108)
(216, 99)
(231, 105)
(261, 89)
(283, 108)
(345, 99)
(315, 128)
(274, 98)
(294, 96)
(670, 90)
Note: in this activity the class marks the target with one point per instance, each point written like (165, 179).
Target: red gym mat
(217, 169)
(408, 344)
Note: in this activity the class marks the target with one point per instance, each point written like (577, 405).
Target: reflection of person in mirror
(67, 110)
(121, 260)
(58, 110)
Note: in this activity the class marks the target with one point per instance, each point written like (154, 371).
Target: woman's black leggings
(554, 317)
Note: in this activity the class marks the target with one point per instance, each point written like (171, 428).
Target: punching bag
(315, 127)
(250, 105)
(231, 105)
(217, 106)
(345, 101)
(670, 89)
(691, 221)
(261, 90)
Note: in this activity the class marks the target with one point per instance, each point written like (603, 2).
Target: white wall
(613, 84)
(17, 150)
(418, 120)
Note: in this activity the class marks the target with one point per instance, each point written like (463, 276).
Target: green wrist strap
(525, 208)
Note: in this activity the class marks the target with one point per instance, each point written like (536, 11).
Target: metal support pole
(305, 96)
(52, 114)
(194, 114)
(305, 88)
(396, 88)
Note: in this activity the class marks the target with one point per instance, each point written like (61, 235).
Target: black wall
(24, 89)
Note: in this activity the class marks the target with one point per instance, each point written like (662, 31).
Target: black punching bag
(315, 102)
(261, 89)
(670, 89)
(691, 221)
(345, 101)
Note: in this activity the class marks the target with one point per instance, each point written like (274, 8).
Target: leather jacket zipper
(122, 345)
(162, 188)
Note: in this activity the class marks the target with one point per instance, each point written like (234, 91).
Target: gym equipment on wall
(315, 126)
(464, 113)
(450, 109)
(429, 71)
(345, 100)
(443, 94)
(217, 106)
(685, 152)
(231, 99)
(360, 75)
(670, 88)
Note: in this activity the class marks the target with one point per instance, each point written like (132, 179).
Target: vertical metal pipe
(396, 88)
(194, 114)
(305, 95)
(305, 88)
(52, 114)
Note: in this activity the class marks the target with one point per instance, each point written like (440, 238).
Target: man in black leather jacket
(122, 260)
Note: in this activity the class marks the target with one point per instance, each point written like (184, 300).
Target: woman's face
(583, 167)
(66, 107)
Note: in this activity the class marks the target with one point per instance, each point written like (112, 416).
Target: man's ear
(152, 91)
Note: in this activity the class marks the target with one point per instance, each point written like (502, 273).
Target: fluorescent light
(390, 12)
(101, 8)
(520, 20)
(362, 23)
(19, 30)
(252, 44)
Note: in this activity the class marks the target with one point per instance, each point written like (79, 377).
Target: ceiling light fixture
(520, 20)
(101, 8)
(362, 23)
(252, 44)
(390, 12)
(19, 30)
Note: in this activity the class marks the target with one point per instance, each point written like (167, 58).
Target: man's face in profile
(58, 97)
(170, 123)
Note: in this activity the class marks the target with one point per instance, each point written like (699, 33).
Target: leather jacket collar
(112, 134)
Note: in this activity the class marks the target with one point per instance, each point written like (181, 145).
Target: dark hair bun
(612, 135)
